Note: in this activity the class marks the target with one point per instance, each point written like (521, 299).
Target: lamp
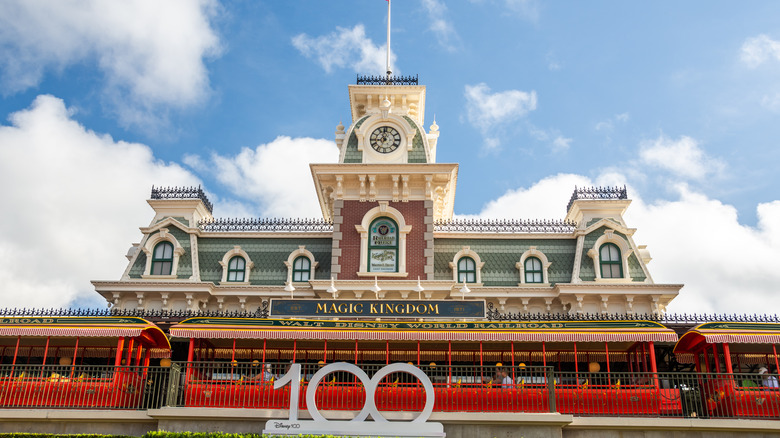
(419, 289)
(289, 288)
(375, 288)
(464, 290)
(332, 289)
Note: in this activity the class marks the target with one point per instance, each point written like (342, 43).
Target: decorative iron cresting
(493, 314)
(268, 224)
(182, 193)
(597, 193)
(174, 315)
(387, 80)
(504, 226)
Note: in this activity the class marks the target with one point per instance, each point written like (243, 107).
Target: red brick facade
(353, 211)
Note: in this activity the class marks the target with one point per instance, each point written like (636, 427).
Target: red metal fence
(456, 389)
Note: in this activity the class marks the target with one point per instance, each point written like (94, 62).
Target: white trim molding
(533, 252)
(383, 210)
(300, 252)
(609, 236)
(148, 249)
(467, 252)
(236, 251)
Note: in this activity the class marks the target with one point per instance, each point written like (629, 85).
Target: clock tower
(386, 180)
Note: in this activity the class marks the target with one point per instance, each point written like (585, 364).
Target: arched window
(162, 259)
(610, 260)
(301, 269)
(383, 245)
(467, 270)
(533, 270)
(236, 269)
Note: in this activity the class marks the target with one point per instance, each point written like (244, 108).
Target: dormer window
(236, 269)
(610, 261)
(162, 259)
(467, 270)
(301, 269)
(236, 266)
(533, 270)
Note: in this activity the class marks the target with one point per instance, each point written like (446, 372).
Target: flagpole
(388, 39)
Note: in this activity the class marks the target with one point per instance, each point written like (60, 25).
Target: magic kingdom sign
(378, 308)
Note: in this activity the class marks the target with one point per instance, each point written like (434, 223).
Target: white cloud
(546, 199)
(758, 50)
(557, 142)
(151, 53)
(445, 33)
(274, 176)
(346, 48)
(528, 9)
(487, 110)
(561, 144)
(683, 157)
(552, 62)
(771, 102)
(608, 125)
(72, 205)
(726, 266)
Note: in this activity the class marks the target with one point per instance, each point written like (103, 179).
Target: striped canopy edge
(86, 326)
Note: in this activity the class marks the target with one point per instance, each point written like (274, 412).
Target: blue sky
(680, 101)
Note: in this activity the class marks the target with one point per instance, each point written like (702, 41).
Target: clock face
(385, 139)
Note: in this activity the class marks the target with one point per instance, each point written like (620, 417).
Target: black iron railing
(261, 312)
(268, 224)
(504, 226)
(492, 314)
(597, 193)
(182, 193)
(387, 80)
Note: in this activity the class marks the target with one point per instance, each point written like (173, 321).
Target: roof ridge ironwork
(267, 224)
(481, 225)
(599, 192)
(182, 193)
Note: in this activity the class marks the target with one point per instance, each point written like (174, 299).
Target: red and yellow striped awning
(728, 333)
(541, 331)
(98, 327)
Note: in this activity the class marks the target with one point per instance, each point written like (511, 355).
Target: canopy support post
(727, 358)
(119, 347)
(45, 354)
(512, 348)
(449, 359)
(777, 366)
(651, 347)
